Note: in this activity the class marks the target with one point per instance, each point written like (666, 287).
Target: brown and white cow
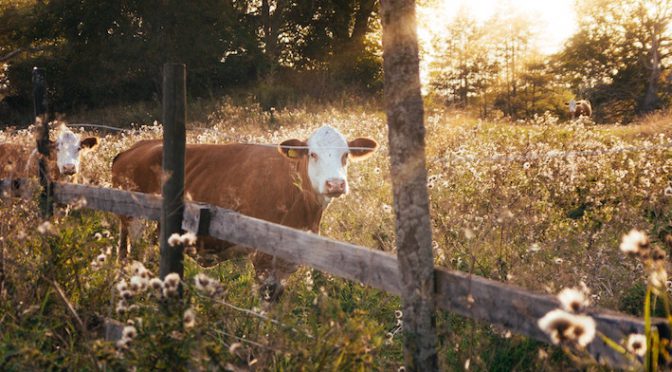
(21, 162)
(579, 108)
(291, 184)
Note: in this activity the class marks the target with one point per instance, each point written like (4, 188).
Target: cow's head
(328, 152)
(572, 106)
(68, 148)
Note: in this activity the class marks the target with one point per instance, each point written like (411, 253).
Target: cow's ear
(361, 148)
(88, 143)
(293, 148)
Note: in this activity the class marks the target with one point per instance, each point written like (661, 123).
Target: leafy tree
(619, 57)
(464, 67)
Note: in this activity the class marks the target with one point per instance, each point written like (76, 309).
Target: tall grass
(499, 209)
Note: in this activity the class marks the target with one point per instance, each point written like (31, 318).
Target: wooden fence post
(41, 117)
(403, 102)
(174, 143)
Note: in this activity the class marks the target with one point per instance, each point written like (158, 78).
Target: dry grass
(539, 222)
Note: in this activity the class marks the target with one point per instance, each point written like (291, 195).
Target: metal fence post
(42, 120)
(174, 144)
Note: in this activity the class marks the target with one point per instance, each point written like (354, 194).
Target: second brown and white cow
(579, 108)
(291, 184)
(21, 162)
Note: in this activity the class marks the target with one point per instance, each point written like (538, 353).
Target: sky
(555, 19)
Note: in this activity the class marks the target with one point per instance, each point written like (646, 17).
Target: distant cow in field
(579, 108)
(291, 184)
(21, 162)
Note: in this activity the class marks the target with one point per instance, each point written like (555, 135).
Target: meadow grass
(500, 208)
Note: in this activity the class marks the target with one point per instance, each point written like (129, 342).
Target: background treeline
(108, 52)
(101, 53)
(619, 59)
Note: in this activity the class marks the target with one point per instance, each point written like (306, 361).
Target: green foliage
(102, 53)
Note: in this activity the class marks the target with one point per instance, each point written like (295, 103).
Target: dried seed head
(562, 327)
(573, 300)
(658, 278)
(189, 319)
(188, 239)
(658, 254)
(129, 332)
(171, 280)
(636, 344)
(122, 286)
(156, 283)
(202, 282)
(635, 242)
(174, 240)
(138, 284)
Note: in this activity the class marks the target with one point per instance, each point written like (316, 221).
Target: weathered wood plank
(348, 261)
(125, 203)
(518, 310)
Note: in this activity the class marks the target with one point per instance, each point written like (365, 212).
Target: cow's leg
(123, 237)
(271, 272)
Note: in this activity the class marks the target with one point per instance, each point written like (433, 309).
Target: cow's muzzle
(335, 187)
(69, 169)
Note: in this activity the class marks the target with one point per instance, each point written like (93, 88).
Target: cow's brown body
(583, 108)
(18, 161)
(254, 180)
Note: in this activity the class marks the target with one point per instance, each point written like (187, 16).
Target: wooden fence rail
(471, 296)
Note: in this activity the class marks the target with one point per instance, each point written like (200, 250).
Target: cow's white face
(68, 150)
(328, 152)
(572, 106)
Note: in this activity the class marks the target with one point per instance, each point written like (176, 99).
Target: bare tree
(404, 108)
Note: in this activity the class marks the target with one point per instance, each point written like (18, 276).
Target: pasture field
(541, 204)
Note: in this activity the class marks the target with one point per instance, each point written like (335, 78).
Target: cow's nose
(335, 186)
(69, 169)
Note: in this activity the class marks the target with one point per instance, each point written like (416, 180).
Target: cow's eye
(313, 156)
(344, 159)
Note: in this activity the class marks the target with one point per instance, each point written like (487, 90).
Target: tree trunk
(361, 26)
(651, 100)
(271, 23)
(404, 109)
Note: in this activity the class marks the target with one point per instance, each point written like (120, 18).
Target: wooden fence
(472, 296)
(468, 295)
